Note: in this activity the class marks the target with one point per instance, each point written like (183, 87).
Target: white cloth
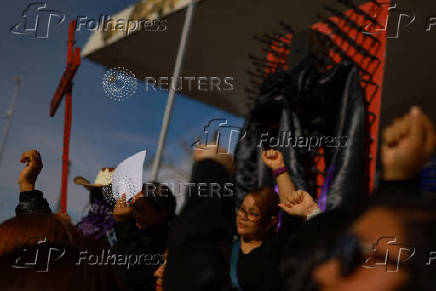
(127, 177)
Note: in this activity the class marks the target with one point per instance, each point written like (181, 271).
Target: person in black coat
(142, 233)
(200, 240)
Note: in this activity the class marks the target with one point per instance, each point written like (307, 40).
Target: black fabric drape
(299, 104)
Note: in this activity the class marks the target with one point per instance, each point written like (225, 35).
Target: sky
(104, 132)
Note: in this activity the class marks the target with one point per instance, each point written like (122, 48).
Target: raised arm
(297, 203)
(31, 200)
(302, 206)
(408, 143)
(274, 160)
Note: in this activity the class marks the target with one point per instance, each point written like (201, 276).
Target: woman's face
(369, 228)
(145, 214)
(248, 218)
(159, 273)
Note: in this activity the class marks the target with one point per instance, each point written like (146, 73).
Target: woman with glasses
(255, 254)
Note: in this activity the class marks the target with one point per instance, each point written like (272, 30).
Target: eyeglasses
(251, 215)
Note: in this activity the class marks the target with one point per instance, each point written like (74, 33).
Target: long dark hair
(161, 198)
(59, 271)
(30, 228)
(267, 200)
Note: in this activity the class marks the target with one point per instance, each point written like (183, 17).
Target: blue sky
(104, 132)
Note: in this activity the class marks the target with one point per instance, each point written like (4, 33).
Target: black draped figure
(304, 104)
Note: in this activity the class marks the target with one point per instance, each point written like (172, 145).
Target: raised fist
(273, 159)
(299, 204)
(30, 172)
(408, 143)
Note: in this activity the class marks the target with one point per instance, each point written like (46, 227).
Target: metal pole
(9, 115)
(169, 107)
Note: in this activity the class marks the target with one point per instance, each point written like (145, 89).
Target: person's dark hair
(267, 200)
(161, 197)
(310, 244)
(56, 268)
(103, 194)
(417, 215)
(23, 229)
(95, 193)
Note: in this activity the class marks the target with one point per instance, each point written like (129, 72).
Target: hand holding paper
(127, 177)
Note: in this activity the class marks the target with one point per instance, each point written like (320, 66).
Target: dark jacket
(259, 269)
(146, 247)
(298, 112)
(200, 241)
(31, 202)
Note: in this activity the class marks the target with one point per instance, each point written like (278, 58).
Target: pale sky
(104, 132)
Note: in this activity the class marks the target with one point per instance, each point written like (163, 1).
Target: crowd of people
(273, 241)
